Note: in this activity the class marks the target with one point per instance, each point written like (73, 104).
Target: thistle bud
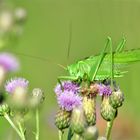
(4, 108)
(91, 133)
(116, 99)
(37, 97)
(89, 107)
(62, 119)
(107, 111)
(102, 138)
(78, 120)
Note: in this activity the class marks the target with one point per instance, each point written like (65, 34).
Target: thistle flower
(16, 84)
(17, 87)
(8, 62)
(62, 119)
(67, 86)
(68, 100)
(104, 90)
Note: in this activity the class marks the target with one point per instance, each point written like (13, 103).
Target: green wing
(121, 60)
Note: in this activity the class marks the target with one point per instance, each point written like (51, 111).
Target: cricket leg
(96, 67)
(121, 45)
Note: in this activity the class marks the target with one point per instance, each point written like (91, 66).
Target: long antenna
(40, 58)
(70, 38)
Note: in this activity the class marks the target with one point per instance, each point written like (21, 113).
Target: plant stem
(70, 134)
(60, 135)
(6, 116)
(21, 130)
(109, 128)
(37, 124)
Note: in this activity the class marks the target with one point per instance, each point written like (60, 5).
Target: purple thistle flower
(9, 62)
(12, 84)
(68, 100)
(104, 90)
(67, 86)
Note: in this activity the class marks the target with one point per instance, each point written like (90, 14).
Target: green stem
(37, 124)
(70, 134)
(109, 128)
(60, 135)
(6, 116)
(21, 130)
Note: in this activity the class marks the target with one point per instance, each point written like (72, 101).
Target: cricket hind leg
(96, 67)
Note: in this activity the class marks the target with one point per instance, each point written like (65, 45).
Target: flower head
(104, 90)
(68, 100)
(8, 62)
(16, 83)
(67, 86)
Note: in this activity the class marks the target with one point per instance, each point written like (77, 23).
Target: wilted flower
(104, 90)
(20, 14)
(68, 100)
(66, 86)
(6, 20)
(16, 84)
(8, 62)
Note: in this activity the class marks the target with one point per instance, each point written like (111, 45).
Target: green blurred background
(46, 34)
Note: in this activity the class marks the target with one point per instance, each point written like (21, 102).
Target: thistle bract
(89, 106)
(107, 111)
(4, 109)
(62, 119)
(116, 99)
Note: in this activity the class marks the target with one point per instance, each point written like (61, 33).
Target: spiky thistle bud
(91, 133)
(89, 106)
(4, 108)
(78, 120)
(102, 138)
(62, 119)
(116, 99)
(107, 111)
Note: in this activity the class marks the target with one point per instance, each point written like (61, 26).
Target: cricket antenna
(40, 58)
(70, 38)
